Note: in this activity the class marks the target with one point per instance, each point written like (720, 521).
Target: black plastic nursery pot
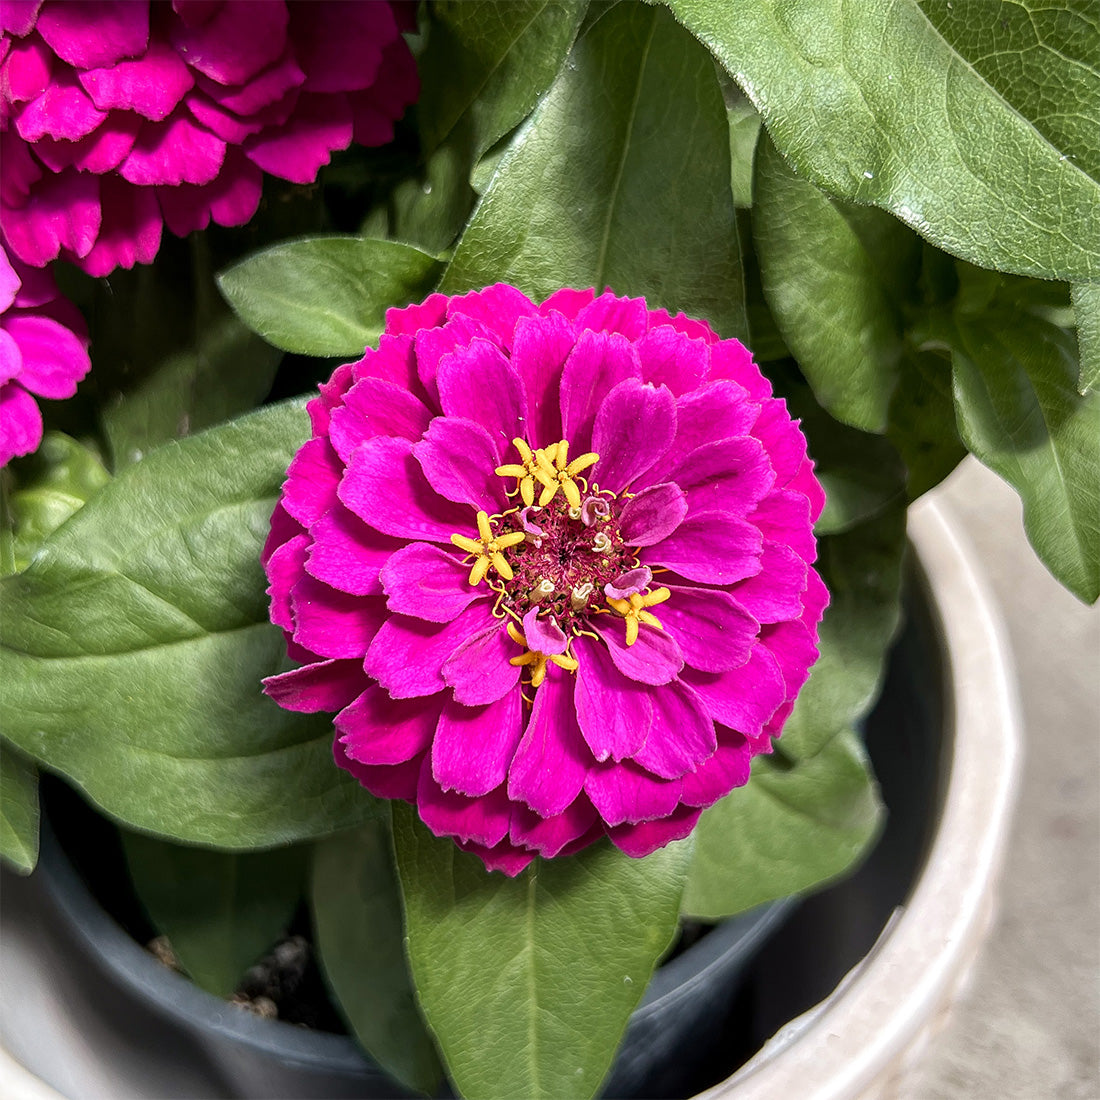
(707, 1010)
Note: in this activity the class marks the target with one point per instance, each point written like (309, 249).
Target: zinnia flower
(43, 351)
(118, 116)
(551, 564)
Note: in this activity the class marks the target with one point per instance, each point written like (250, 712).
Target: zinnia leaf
(326, 296)
(594, 191)
(511, 973)
(18, 811)
(133, 646)
(932, 117)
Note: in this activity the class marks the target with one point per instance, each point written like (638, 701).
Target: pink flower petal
(731, 359)
(474, 746)
(609, 313)
(231, 199)
(480, 385)
(795, 650)
(479, 669)
(54, 358)
(744, 698)
(17, 16)
(25, 73)
(236, 43)
(548, 768)
(9, 282)
(103, 150)
(672, 359)
(634, 428)
(333, 623)
(775, 593)
(347, 554)
(654, 658)
(682, 735)
(539, 351)
(784, 516)
(614, 713)
(20, 422)
(264, 89)
(483, 820)
(63, 110)
(285, 566)
(729, 767)
(433, 343)
(153, 85)
(375, 729)
(383, 781)
(501, 857)
(407, 655)
(625, 793)
(598, 363)
(543, 635)
(339, 45)
(429, 583)
(727, 475)
(129, 232)
(423, 316)
(11, 358)
(551, 836)
(328, 685)
(653, 514)
(713, 630)
(647, 836)
(567, 302)
(498, 308)
(296, 151)
(710, 547)
(375, 407)
(173, 152)
(458, 458)
(310, 487)
(385, 486)
(94, 33)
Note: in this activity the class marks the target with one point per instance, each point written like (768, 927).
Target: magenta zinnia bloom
(119, 116)
(552, 565)
(43, 352)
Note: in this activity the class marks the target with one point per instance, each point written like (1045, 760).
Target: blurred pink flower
(118, 117)
(552, 564)
(43, 352)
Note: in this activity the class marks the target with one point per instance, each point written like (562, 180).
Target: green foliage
(49, 487)
(1015, 384)
(132, 649)
(872, 103)
(221, 911)
(1086, 306)
(593, 190)
(528, 983)
(812, 810)
(360, 942)
(18, 811)
(326, 296)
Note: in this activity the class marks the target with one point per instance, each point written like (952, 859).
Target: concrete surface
(1029, 1025)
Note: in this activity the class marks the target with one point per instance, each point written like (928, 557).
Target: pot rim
(877, 1018)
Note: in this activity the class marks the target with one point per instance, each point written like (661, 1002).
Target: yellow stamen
(488, 549)
(554, 471)
(634, 610)
(537, 660)
(523, 471)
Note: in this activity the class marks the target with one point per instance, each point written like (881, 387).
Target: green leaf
(794, 826)
(359, 928)
(18, 811)
(528, 983)
(1019, 412)
(133, 646)
(873, 104)
(744, 123)
(50, 486)
(861, 567)
(1086, 306)
(922, 420)
(326, 296)
(486, 64)
(169, 359)
(822, 268)
(593, 191)
(221, 911)
(226, 371)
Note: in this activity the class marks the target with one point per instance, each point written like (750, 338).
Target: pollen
(524, 470)
(554, 471)
(488, 549)
(634, 610)
(537, 660)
